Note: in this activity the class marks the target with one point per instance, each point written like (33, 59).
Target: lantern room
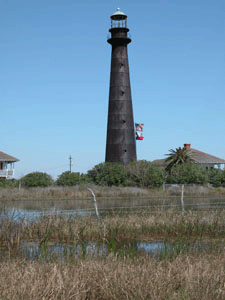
(118, 19)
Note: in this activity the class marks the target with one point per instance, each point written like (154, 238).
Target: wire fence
(121, 205)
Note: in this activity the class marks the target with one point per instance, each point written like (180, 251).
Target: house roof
(205, 158)
(7, 158)
(161, 162)
(199, 157)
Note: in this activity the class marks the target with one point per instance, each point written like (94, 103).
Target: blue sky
(54, 79)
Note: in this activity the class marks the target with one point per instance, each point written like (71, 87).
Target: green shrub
(71, 178)
(217, 177)
(144, 173)
(8, 183)
(187, 173)
(109, 173)
(68, 178)
(37, 179)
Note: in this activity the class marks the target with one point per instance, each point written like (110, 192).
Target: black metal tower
(121, 143)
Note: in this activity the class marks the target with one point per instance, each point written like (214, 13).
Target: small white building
(7, 165)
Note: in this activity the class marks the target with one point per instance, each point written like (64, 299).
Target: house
(204, 159)
(7, 165)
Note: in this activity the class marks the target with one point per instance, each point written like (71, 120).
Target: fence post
(182, 201)
(95, 202)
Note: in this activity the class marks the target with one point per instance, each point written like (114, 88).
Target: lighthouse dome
(118, 15)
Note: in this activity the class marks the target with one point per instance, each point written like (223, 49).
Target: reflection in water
(31, 251)
(66, 253)
(152, 247)
(91, 249)
(19, 215)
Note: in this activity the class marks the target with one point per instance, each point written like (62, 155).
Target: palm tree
(178, 157)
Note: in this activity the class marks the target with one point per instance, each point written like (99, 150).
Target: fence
(111, 205)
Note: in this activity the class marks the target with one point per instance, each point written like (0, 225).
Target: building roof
(205, 158)
(7, 158)
(199, 157)
(161, 162)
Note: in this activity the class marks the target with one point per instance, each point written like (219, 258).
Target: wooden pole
(95, 203)
(182, 201)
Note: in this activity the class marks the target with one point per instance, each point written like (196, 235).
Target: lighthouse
(120, 142)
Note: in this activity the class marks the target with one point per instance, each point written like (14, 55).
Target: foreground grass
(120, 275)
(186, 277)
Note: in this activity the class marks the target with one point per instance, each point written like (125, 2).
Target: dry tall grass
(74, 192)
(187, 277)
(79, 197)
(81, 192)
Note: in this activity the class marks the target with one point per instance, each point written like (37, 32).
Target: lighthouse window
(125, 150)
(122, 93)
(124, 121)
(122, 67)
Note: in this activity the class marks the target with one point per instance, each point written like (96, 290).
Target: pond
(50, 252)
(19, 215)
(159, 250)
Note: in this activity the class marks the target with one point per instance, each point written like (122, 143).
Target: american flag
(139, 127)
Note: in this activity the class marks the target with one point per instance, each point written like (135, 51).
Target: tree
(68, 178)
(144, 173)
(217, 177)
(178, 157)
(36, 179)
(109, 173)
(71, 178)
(187, 173)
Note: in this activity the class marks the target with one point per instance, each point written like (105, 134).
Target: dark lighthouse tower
(121, 143)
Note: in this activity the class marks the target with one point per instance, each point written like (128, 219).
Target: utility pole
(70, 159)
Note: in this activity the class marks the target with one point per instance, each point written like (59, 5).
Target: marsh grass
(119, 233)
(76, 197)
(190, 266)
(109, 199)
(185, 277)
(81, 192)
(67, 193)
